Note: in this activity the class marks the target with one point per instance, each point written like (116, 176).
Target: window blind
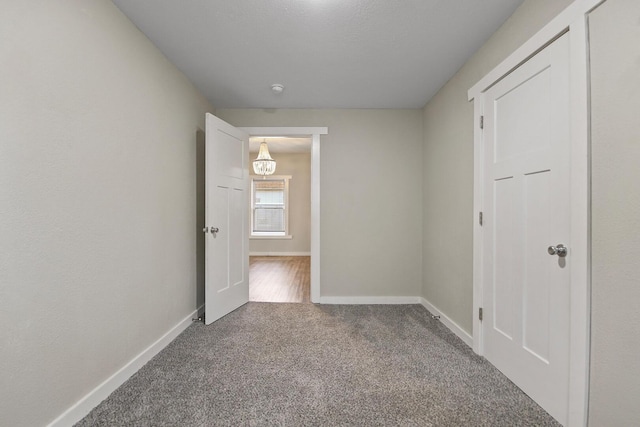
(269, 206)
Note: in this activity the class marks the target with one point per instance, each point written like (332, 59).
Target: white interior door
(526, 205)
(226, 219)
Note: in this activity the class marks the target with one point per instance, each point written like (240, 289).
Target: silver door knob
(560, 250)
(205, 230)
(214, 230)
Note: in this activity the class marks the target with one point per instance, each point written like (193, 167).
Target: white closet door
(527, 210)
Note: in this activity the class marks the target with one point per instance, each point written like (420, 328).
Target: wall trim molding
(83, 406)
(279, 253)
(446, 321)
(369, 300)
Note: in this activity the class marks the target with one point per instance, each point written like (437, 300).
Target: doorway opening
(285, 264)
(280, 231)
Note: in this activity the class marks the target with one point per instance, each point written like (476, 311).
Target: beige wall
(97, 201)
(615, 144)
(447, 260)
(370, 190)
(298, 166)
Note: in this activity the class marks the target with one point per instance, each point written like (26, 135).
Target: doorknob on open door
(560, 250)
(205, 230)
(214, 230)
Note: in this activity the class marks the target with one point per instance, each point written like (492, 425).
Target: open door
(226, 222)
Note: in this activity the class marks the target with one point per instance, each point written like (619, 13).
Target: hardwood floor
(279, 278)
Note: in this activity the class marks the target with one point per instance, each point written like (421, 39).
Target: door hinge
(480, 314)
(480, 217)
(481, 122)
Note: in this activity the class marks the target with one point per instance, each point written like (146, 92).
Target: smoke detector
(277, 88)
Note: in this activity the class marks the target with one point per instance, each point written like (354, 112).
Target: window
(270, 207)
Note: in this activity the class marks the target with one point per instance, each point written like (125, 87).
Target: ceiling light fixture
(263, 164)
(277, 88)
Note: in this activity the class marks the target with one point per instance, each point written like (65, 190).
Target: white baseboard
(453, 326)
(279, 253)
(82, 407)
(369, 300)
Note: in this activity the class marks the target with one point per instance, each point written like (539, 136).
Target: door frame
(574, 20)
(314, 133)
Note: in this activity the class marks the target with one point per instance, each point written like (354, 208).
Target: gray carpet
(308, 365)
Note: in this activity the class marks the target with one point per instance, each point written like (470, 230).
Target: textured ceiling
(327, 53)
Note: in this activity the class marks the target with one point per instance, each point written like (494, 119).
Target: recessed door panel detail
(537, 264)
(522, 117)
(506, 261)
(236, 243)
(228, 159)
(221, 240)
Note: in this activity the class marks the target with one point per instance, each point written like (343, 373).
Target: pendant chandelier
(264, 165)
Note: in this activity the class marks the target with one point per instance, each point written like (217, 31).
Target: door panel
(535, 328)
(227, 199)
(505, 262)
(219, 243)
(228, 156)
(515, 133)
(526, 199)
(237, 241)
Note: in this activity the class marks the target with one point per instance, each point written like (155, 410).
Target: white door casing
(226, 220)
(527, 173)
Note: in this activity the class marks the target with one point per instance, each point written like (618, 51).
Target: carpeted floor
(309, 365)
